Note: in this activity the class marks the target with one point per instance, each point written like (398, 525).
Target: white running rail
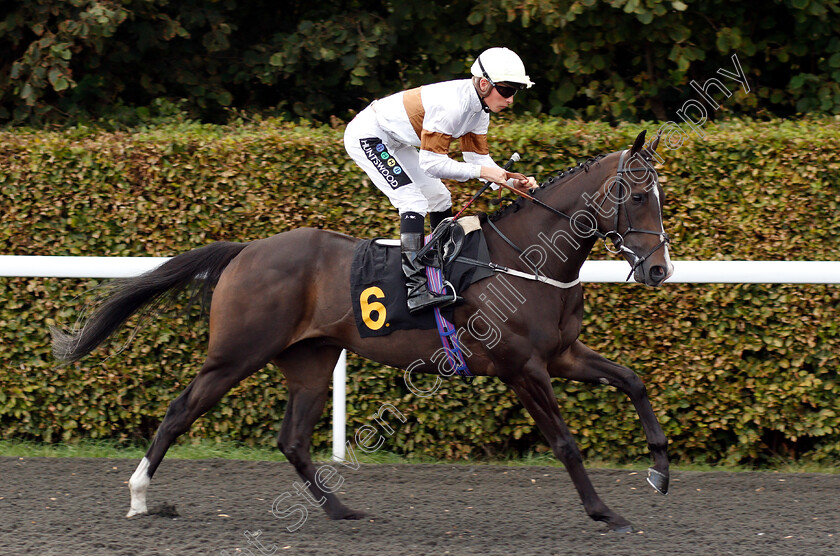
(697, 272)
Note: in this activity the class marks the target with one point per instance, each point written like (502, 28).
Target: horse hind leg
(308, 371)
(213, 381)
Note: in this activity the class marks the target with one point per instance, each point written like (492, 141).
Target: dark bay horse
(286, 299)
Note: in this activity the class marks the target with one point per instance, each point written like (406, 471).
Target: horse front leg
(582, 364)
(533, 388)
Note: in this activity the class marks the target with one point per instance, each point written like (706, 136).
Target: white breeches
(394, 167)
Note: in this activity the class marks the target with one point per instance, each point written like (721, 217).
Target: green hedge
(737, 373)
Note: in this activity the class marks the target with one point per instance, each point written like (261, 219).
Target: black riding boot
(419, 296)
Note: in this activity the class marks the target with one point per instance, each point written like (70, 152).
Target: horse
(286, 299)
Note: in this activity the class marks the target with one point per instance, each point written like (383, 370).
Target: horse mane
(559, 177)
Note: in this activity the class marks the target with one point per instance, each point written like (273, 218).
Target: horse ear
(639, 143)
(655, 142)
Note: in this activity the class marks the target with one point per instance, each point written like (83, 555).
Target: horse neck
(544, 234)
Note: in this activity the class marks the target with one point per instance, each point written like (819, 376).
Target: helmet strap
(483, 71)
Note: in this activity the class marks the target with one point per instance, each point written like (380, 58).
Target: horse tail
(195, 271)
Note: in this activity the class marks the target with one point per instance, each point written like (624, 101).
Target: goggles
(505, 90)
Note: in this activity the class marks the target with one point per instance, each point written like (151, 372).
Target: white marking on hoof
(138, 484)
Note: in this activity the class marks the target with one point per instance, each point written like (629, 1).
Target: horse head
(616, 198)
(629, 213)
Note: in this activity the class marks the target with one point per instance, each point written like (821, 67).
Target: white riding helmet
(501, 65)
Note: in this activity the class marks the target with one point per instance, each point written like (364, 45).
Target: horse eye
(638, 198)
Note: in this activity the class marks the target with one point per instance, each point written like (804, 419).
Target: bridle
(615, 237)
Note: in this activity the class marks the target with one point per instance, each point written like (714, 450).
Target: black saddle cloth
(378, 290)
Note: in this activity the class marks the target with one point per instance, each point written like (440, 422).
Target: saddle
(445, 243)
(377, 283)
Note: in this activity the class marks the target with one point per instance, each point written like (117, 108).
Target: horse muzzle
(654, 267)
(653, 274)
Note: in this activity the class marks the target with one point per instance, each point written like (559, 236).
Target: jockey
(384, 138)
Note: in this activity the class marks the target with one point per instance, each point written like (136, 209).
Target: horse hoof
(347, 513)
(622, 528)
(658, 480)
(132, 512)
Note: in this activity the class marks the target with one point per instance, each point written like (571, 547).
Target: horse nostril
(657, 273)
